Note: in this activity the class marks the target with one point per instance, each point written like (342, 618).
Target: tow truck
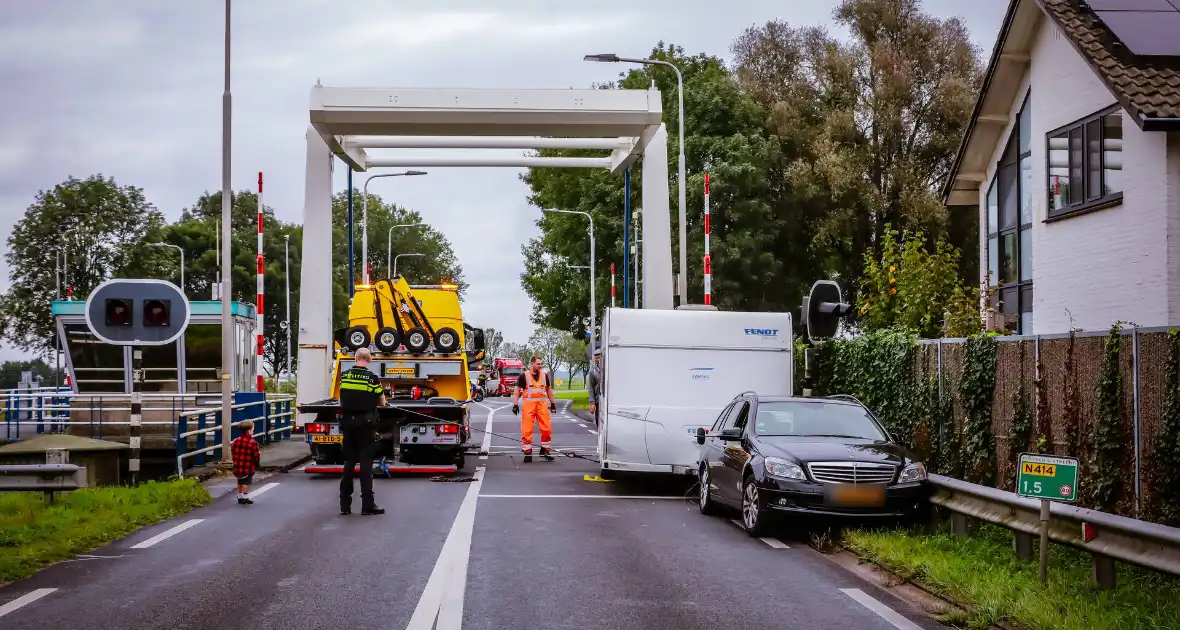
(422, 351)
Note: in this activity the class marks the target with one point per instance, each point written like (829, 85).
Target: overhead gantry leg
(315, 281)
(657, 224)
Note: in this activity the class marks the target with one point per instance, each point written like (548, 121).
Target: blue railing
(41, 407)
(274, 419)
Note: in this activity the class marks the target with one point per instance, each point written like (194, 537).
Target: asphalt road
(524, 545)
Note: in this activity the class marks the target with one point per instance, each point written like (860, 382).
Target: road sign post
(137, 313)
(1048, 478)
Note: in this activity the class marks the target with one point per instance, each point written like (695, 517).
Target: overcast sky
(132, 89)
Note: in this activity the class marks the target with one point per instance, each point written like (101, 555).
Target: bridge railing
(275, 425)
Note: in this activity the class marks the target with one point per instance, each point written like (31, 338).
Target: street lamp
(226, 290)
(395, 262)
(365, 219)
(389, 252)
(179, 249)
(682, 279)
(593, 315)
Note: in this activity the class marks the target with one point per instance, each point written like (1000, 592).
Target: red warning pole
(708, 259)
(612, 285)
(261, 270)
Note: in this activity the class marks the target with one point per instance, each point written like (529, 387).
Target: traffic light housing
(113, 312)
(823, 308)
(156, 313)
(118, 312)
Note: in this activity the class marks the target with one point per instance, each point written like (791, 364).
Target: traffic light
(118, 312)
(155, 312)
(823, 308)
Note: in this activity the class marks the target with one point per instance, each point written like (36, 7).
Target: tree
(876, 120)
(546, 342)
(494, 340)
(917, 289)
(10, 373)
(572, 352)
(515, 351)
(103, 228)
(730, 140)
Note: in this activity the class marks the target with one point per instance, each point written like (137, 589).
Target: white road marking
(575, 496)
(773, 542)
(450, 570)
(883, 611)
(263, 489)
(583, 425)
(25, 600)
(167, 534)
(487, 435)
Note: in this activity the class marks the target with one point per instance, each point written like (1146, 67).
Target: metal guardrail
(47, 478)
(1106, 537)
(53, 410)
(275, 425)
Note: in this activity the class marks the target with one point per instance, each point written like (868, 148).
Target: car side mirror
(731, 435)
(701, 433)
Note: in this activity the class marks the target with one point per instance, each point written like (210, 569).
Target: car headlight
(783, 469)
(914, 472)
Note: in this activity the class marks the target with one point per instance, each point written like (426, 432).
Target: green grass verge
(581, 399)
(983, 573)
(34, 534)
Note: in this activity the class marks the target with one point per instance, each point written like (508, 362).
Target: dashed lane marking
(774, 543)
(883, 611)
(167, 534)
(263, 489)
(24, 600)
(592, 431)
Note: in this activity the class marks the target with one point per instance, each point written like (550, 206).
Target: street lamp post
(400, 256)
(389, 251)
(181, 250)
(227, 322)
(287, 275)
(593, 307)
(682, 278)
(365, 219)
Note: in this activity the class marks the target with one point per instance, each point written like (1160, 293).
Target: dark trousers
(359, 448)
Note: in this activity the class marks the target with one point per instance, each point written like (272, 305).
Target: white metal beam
(586, 113)
(491, 160)
(484, 142)
(657, 224)
(315, 278)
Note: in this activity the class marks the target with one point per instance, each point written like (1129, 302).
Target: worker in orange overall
(534, 385)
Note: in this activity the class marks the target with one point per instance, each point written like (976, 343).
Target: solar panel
(1145, 32)
(1132, 5)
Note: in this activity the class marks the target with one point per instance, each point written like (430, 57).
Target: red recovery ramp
(336, 469)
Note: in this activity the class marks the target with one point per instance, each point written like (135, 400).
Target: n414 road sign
(1047, 477)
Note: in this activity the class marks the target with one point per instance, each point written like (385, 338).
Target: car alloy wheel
(751, 513)
(706, 499)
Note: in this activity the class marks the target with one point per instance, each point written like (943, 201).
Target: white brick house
(1072, 159)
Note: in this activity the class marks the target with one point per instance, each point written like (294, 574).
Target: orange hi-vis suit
(535, 408)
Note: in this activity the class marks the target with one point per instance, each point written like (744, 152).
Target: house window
(1085, 164)
(1009, 226)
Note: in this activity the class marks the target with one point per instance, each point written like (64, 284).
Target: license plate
(396, 371)
(329, 439)
(859, 496)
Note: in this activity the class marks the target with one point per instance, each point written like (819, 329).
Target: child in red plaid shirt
(246, 456)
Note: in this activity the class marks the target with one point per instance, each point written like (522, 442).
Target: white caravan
(668, 372)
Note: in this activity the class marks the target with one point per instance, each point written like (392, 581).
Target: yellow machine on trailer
(422, 351)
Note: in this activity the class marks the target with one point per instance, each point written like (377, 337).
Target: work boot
(372, 511)
(545, 454)
(345, 511)
(528, 457)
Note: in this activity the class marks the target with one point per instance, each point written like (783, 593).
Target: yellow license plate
(406, 371)
(859, 496)
(330, 439)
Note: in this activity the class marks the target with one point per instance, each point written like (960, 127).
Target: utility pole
(287, 274)
(227, 323)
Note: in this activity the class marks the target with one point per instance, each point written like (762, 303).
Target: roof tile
(1148, 87)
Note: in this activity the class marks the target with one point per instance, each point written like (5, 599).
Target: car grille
(851, 472)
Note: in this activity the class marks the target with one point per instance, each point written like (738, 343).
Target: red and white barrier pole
(708, 259)
(261, 271)
(612, 285)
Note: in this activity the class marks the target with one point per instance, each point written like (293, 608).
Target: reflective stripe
(532, 387)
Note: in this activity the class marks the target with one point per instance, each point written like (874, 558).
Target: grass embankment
(982, 572)
(34, 534)
(581, 399)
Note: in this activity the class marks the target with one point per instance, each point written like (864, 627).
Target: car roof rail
(749, 391)
(847, 397)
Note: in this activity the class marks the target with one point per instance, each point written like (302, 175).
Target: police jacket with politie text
(360, 392)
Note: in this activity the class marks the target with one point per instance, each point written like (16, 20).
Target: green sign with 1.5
(1047, 477)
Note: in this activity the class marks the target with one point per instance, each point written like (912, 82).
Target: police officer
(360, 395)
